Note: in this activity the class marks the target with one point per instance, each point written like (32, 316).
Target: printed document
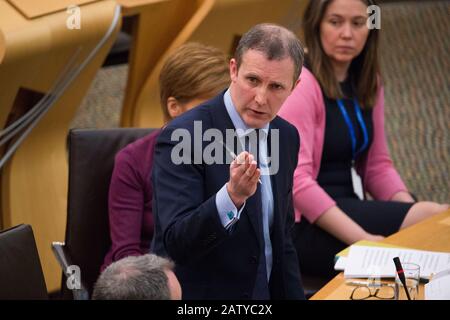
(364, 261)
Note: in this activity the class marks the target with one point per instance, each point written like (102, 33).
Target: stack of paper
(439, 286)
(368, 261)
(341, 258)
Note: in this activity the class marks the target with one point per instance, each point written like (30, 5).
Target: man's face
(260, 86)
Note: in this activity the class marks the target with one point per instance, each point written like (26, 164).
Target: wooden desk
(431, 234)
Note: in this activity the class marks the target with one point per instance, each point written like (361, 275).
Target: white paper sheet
(439, 286)
(364, 262)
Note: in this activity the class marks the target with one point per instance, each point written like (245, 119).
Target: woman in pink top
(192, 74)
(338, 109)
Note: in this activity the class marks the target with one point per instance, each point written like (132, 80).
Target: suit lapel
(275, 178)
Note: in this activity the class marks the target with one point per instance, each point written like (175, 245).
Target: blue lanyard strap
(351, 130)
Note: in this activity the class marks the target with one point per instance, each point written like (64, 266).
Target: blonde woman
(191, 75)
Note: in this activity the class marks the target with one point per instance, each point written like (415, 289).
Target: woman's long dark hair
(364, 69)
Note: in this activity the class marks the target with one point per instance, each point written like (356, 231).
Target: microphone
(401, 275)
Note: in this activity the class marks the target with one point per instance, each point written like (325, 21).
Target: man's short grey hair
(275, 41)
(135, 278)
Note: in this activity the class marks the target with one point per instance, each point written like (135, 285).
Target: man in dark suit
(227, 226)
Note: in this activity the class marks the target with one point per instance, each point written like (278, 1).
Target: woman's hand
(373, 237)
(402, 196)
(342, 227)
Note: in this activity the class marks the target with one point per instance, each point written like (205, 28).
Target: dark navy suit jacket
(212, 262)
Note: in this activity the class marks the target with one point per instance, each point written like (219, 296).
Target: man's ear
(233, 69)
(173, 107)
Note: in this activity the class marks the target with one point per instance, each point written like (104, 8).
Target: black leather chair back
(21, 275)
(91, 161)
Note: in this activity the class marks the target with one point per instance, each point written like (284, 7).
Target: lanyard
(351, 130)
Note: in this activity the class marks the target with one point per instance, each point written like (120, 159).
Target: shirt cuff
(228, 213)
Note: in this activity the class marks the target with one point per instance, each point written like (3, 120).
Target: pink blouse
(305, 109)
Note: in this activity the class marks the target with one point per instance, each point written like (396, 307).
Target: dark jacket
(212, 262)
